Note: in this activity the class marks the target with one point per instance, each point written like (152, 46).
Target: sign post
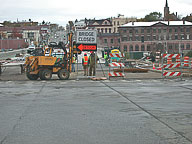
(86, 40)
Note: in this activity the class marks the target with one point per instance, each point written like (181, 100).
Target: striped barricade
(116, 74)
(115, 64)
(171, 74)
(119, 55)
(186, 61)
(169, 66)
(171, 55)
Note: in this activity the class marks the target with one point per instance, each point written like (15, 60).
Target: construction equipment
(55, 60)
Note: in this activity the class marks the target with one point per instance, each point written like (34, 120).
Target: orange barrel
(191, 62)
(169, 60)
(178, 60)
(186, 61)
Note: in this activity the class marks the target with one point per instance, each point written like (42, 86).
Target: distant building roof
(145, 24)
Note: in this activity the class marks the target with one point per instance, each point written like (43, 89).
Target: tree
(153, 16)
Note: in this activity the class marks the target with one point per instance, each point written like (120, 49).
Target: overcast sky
(62, 11)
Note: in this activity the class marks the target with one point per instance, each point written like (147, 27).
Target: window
(136, 48)
(114, 23)
(142, 38)
(119, 40)
(30, 35)
(98, 29)
(170, 30)
(130, 31)
(117, 22)
(165, 30)
(148, 30)
(182, 46)
(131, 38)
(136, 31)
(148, 48)
(188, 37)
(111, 40)
(148, 38)
(142, 30)
(176, 37)
(154, 30)
(137, 38)
(176, 30)
(142, 47)
(182, 37)
(125, 48)
(109, 30)
(159, 30)
(124, 31)
(102, 30)
(154, 37)
(131, 48)
(182, 30)
(105, 23)
(105, 41)
(188, 30)
(170, 37)
(124, 38)
(188, 46)
(105, 30)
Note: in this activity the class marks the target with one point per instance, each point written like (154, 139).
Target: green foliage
(153, 16)
(189, 54)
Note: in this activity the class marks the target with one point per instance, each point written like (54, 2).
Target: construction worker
(106, 59)
(85, 64)
(92, 61)
(73, 63)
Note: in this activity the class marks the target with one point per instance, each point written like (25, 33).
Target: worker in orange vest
(85, 64)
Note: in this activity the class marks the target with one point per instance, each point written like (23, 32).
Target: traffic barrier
(116, 74)
(171, 55)
(119, 55)
(171, 74)
(178, 60)
(153, 66)
(186, 61)
(115, 64)
(171, 65)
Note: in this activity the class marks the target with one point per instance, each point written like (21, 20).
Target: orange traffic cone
(153, 66)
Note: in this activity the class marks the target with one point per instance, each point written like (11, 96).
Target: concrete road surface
(101, 112)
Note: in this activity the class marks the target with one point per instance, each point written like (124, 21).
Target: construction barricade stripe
(169, 66)
(116, 55)
(116, 74)
(115, 64)
(171, 74)
(171, 55)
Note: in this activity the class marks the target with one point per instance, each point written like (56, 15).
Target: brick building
(170, 36)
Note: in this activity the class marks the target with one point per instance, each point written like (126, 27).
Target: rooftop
(143, 24)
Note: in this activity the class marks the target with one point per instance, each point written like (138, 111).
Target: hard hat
(85, 53)
(91, 52)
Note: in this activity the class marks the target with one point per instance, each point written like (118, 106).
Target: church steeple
(166, 5)
(166, 11)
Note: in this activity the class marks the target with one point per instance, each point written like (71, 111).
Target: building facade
(167, 36)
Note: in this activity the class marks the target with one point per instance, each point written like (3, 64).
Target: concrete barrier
(11, 54)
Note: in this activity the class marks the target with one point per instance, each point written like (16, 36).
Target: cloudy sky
(61, 11)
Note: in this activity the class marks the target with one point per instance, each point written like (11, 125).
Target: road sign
(86, 40)
(87, 47)
(86, 37)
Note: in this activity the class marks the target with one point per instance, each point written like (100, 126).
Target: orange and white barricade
(116, 64)
(186, 61)
(171, 65)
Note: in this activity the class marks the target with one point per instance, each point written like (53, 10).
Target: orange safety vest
(85, 59)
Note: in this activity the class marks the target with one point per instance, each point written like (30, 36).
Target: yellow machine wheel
(32, 76)
(45, 74)
(63, 74)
